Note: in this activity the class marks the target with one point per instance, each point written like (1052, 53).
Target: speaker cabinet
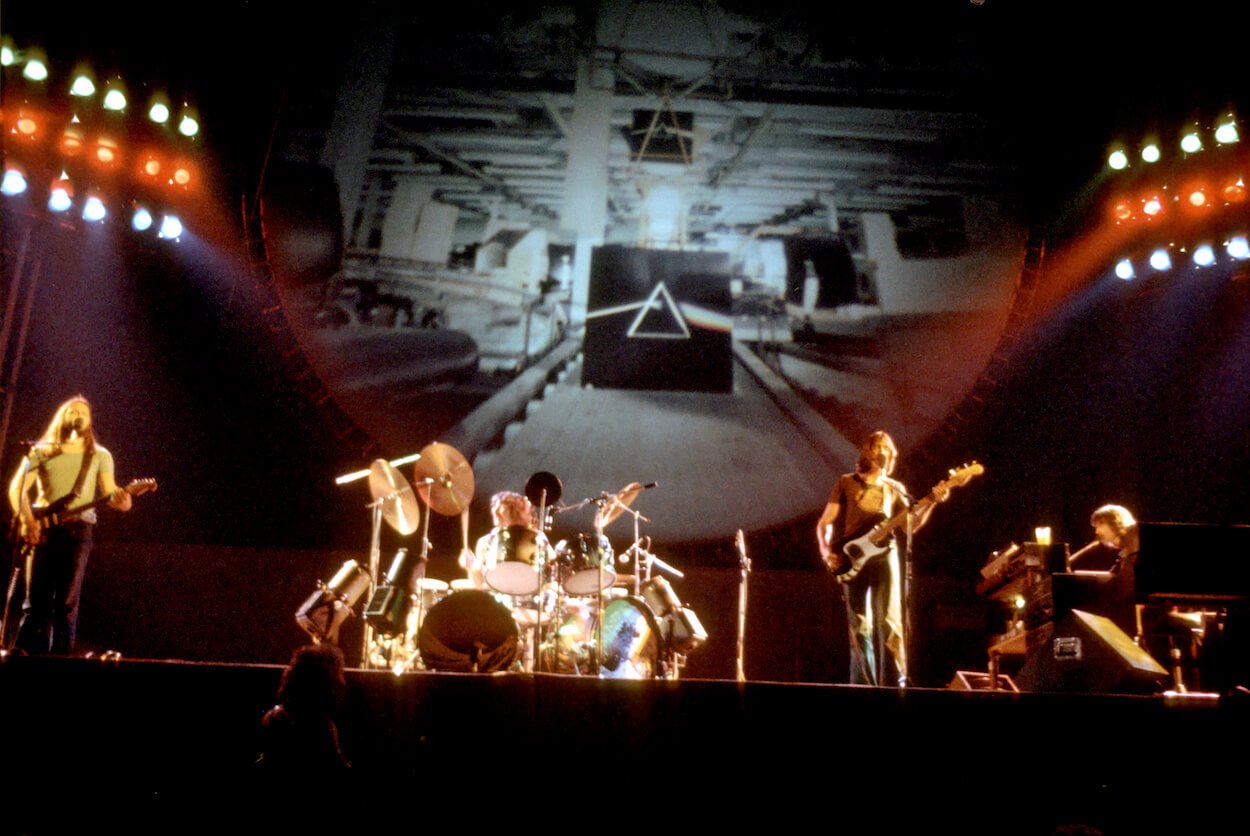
(1086, 653)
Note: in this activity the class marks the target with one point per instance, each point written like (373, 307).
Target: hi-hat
(615, 506)
(450, 489)
(399, 504)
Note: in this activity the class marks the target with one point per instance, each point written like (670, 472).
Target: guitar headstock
(961, 476)
(138, 487)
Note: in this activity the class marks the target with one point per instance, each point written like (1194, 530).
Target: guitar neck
(886, 528)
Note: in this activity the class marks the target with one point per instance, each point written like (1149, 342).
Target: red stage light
(1198, 198)
(26, 125)
(1122, 211)
(1153, 206)
(182, 176)
(152, 166)
(71, 141)
(1234, 191)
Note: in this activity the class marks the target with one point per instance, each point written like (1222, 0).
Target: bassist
(873, 596)
(68, 469)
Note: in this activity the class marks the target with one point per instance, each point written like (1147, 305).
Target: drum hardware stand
(905, 595)
(742, 605)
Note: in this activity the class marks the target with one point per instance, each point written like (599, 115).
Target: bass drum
(631, 640)
(468, 631)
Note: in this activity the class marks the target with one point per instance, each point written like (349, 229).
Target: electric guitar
(55, 513)
(848, 555)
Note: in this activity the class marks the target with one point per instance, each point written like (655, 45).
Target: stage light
(1153, 206)
(93, 209)
(106, 151)
(1124, 270)
(14, 182)
(35, 69)
(188, 126)
(1160, 260)
(115, 97)
(1122, 211)
(1150, 153)
(60, 196)
(159, 112)
(1234, 191)
(182, 175)
(151, 166)
(171, 227)
(71, 141)
(1204, 256)
(1238, 247)
(1191, 143)
(1226, 133)
(26, 124)
(141, 221)
(1117, 160)
(8, 55)
(83, 86)
(1198, 198)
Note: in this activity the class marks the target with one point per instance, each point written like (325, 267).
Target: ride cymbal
(615, 506)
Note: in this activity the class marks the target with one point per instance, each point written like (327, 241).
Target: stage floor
(156, 738)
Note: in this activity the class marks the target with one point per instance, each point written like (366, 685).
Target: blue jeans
(54, 575)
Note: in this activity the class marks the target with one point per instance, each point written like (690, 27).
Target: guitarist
(66, 469)
(874, 605)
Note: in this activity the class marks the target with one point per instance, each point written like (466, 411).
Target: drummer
(507, 508)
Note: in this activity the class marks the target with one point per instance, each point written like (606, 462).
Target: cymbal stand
(742, 605)
(540, 557)
(375, 558)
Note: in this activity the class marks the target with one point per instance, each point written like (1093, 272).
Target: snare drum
(580, 562)
(514, 564)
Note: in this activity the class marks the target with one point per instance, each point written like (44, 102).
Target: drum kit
(559, 608)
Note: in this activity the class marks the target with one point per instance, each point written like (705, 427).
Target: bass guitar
(847, 556)
(58, 512)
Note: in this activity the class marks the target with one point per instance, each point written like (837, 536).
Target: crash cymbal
(399, 504)
(615, 506)
(452, 488)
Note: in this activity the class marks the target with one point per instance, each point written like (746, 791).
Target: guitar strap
(82, 473)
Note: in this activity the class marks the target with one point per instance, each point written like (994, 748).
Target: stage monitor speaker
(1088, 654)
(978, 681)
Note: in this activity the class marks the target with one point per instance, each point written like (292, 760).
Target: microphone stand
(745, 563)
(16, 551)
(905, 600)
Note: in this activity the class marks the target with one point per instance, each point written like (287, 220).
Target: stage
(152, 738)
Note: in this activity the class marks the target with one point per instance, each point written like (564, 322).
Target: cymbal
(452, 488)
(615, 506)
(399, 504)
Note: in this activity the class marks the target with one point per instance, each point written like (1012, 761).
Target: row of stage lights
(1236, 248)
(94, 209)
(1185, 185)
(44, 134)
(83, 87)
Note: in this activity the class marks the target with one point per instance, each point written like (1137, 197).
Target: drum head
(516, 552)
(582, 559)
(468, 631)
